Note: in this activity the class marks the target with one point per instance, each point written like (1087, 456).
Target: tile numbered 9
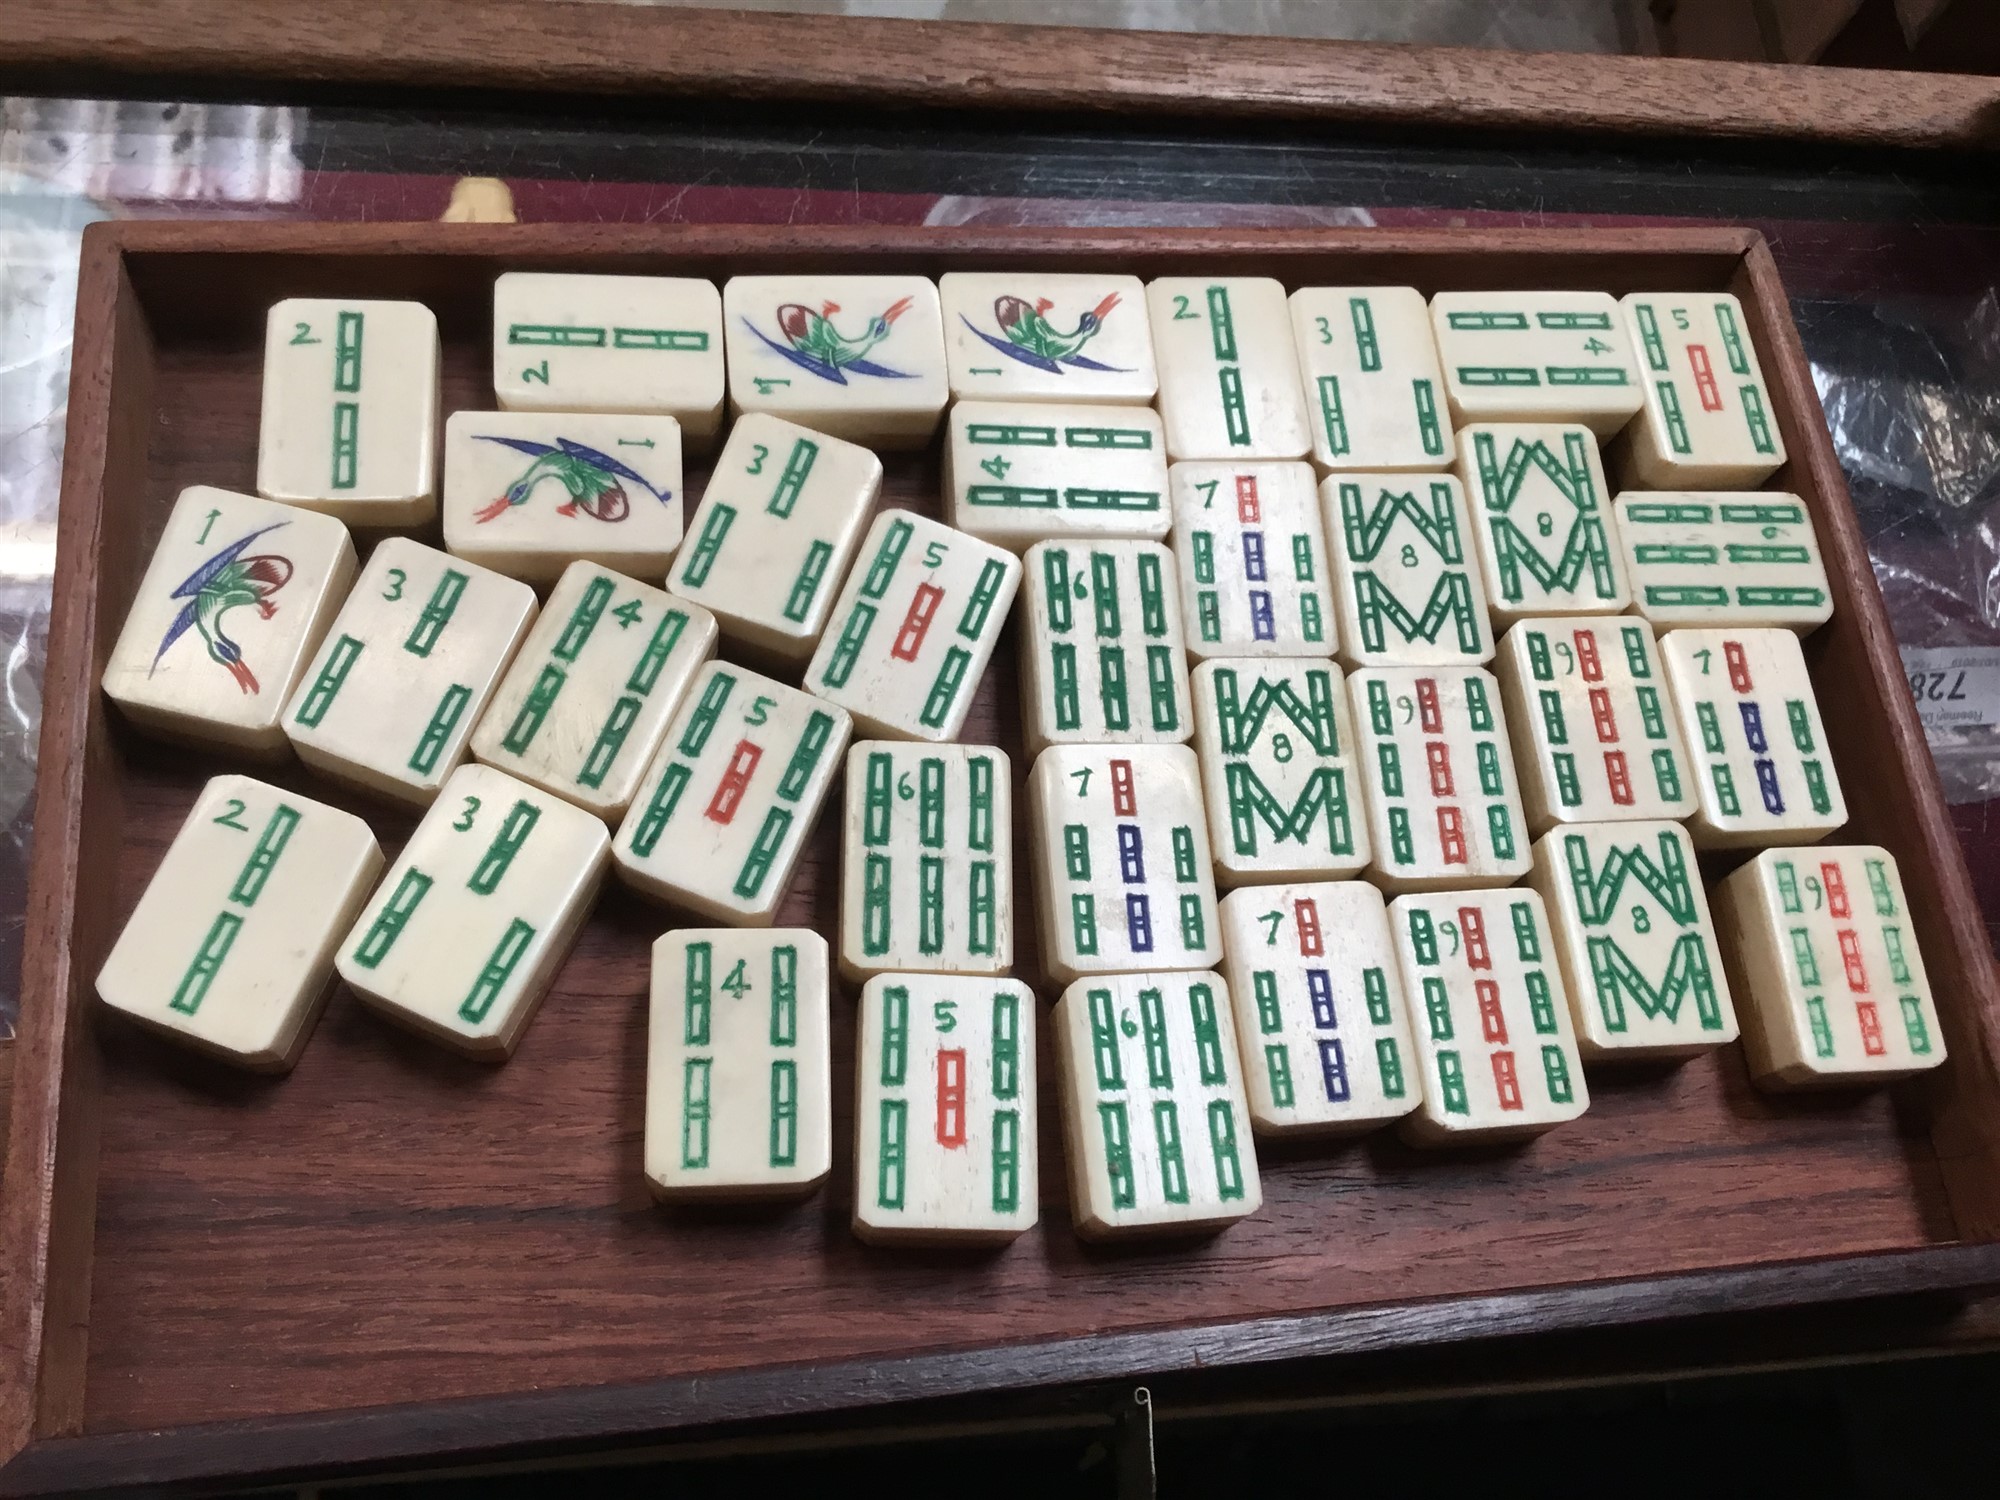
(1047, 336)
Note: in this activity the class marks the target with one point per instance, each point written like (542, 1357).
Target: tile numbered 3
(1372, 378)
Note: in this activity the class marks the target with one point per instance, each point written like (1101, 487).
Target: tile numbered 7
(1372, 378)
(1547, 540)
(1252, 560)
(1708, 423)
(1406, 578)
(1229, 373)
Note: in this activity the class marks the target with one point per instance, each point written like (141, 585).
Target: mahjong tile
(1709, 423)
(1320, 1015)
(1252, 560)
(1536, 357)
(1047, 336)
(1725, 560)
(230, 950)
(1229, 372)
(237, 597)
(1405, 571)
(1016, 473)
(1372, 378)
(1547, 540)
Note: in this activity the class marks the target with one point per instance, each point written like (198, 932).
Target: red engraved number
(1472, 923)
(1492, 1022)
(1248, 511)
(1871, 1028)
(917, 623)
(1739, 665)
(1306, 913)
(1604, 716)
(1123, 803)
(1587, 661)
(951, 1098)
(1704, 378)
(1504, 1081)
(729, 791)
(1438, 753)
(1619, 776)
(1451, 836)
(1428, 716)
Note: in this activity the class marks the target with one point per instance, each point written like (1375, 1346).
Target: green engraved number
(302, 333)
(627, 615)
(1276, 919)
(1281, 747)
(759, 710)
(208, 526)
(1208, 488)
(1181, 313)
(1408, 705)
(1704, 657)
(1596, 346)
(536, 374)
(766, 384)
(397, 578)
(904, 791)
(1325, 333)
(1082, 779)
(934, 555)
(757, 463)
(1681, 318)
(464, 823)
(1568, 654)
(996, 466)
(945, 1013)
(1409, 556)
(1450, 930)
(231, 813)
(738, 982)
(1642, 921)
(1818, 894)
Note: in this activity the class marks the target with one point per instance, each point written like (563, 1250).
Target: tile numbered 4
(230, 949)
(1537, 357)
(739, 1080)
(731, 796)
(1820, 944)
(1320, 1016)
(1405, 569)
(944, 1110)
(1229, 372)
(1547, 538)
(1252, 560)
(914, 628)
(1047, 336)
(350, 412)
(583, 707)
(467, 931)
(1752, 725)
(1708, 423)
(527, 493)
(1017, 473)
(570, 343)
(1372, 378)
(859, 357)
(404, 673)
(1490, 1015)
(1747, 560)
(238, 595)
(1155, 1124)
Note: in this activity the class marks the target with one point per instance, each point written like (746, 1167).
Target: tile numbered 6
(1723, 560)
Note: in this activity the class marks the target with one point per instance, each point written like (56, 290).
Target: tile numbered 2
(1372, 378)
(1229, 372)
(1047, 336)
(1405, 569)
(1252, 560)
(1016, 473)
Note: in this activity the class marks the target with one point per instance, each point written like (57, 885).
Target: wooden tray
(394, 1254)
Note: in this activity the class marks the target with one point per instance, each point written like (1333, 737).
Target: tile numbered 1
(859, 357)
(1320, 1014)
(230, 949)
(1708, 423)
(1820, 945)
(1595, 735)
(465, 934)
(1252, 560)
(1724, 560)
(1047, 336)
(775, 532)
(569, 343)
(1229, 372)
(1122, 860)
(927, 872)
(944, 1110)
(1490, 1015)
(1017, 473)
(1406, 578)
(914, 628)
(1155, 1124)
(1537, 357)
(739, 1081)
(1372, 378)
(1547, 538)
(1277, 752)
(583, 707)
(404, 673)
(237, 597)
(1753, 726)
(1638, 950)
(527, 493)
(1104, 660)
(349, 422)
(1444, 810)
(731, 796)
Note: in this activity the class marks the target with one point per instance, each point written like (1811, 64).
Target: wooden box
(394, 1255)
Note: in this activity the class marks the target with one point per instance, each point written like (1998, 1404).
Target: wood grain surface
(558, 46)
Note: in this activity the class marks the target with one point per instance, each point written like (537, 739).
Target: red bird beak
(828, 309)
(266, 609)
(1103, 309)
(896, 310)
(1042, 304)
(245, 678)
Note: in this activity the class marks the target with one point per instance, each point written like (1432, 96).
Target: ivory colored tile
(1405, 571)
(349, 423)
(1444, 810)
(739, 1085)
(1372, 378)
(1121, 860)
(1155, 1124)
(390, 699)
(1729, 560)
(1536, 357)
(1278, 759)
(1103, 659)
(1229, 371)
(472, 923)
(1320, 1013)
(914, 628)
(1820, 945)
(569, 343)
(1709, 423)
(528, 493)
(731, 795)
(1753, 729)
(1595, 738)
(1632, 930)
(944, 1110)
(1548, 544)
(1491, 1017)
(584, 706)
(230, 950)
(1047, 336)
(927, 860)
(237, 597)
(1252, 560)
(775, 532)
(1017, 473)
(859, 357)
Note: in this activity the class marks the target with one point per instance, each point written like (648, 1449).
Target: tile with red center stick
(1708, 422)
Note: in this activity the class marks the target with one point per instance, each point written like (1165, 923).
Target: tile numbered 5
(1017, 473)
(1747, 560)
(1229, 371)
(1047, 336)
(1708, 423)
(1406, 577)
(1372, 378)
(1547, 538)
(1537, 357)
(230, 949)
(1252, 560)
